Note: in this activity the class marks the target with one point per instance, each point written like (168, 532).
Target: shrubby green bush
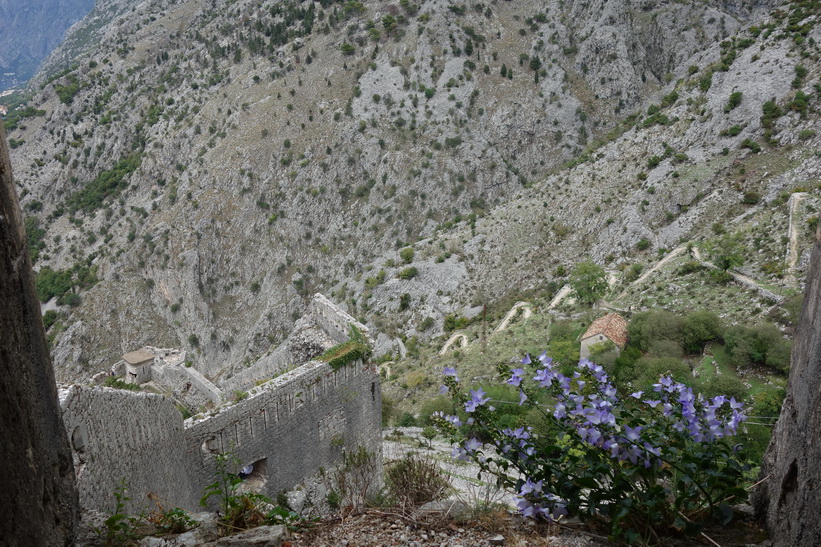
(589, 281)
(406, 255)
(651, 326)
(408, 273)
(414, 480)
(762, 344)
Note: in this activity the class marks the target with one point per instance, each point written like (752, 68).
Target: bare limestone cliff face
(207, 171)
(789, 499)
(39, 499)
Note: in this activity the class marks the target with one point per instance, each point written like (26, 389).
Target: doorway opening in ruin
(257, 477)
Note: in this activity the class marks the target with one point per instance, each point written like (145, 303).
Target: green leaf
(723, 513)
(586, 482)
(632, 537)
(692, 529)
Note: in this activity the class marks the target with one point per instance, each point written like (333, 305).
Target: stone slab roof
(139, 356)
(612, 326)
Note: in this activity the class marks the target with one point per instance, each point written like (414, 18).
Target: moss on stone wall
(348, 352)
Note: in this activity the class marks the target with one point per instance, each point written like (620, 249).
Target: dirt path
(670, 256)
(452, 340)
(563, 292)
(741, 279)
(527, 312)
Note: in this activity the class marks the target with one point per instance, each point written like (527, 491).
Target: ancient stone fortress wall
(291, 428)
(324, 326)
(267, 367)
(180, 376)
(115, 435)
(333, 320)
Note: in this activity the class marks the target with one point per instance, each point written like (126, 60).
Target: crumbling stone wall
(324, 326)
(292, 428)
(182, 378)
(333, 320)
(267, 367)
(120, 435)
(295, 426)
(39, 500)
(789, 498)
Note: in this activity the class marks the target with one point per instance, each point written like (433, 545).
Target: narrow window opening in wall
(373, 391)
(236, 434)
(254, 476)
(264, 418)
(211, 445)
(78, 439)
(251, 427)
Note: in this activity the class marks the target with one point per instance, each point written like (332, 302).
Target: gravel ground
(377, 528)
(462, 475)
(435, 527)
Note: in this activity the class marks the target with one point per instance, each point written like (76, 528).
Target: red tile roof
(612, 326)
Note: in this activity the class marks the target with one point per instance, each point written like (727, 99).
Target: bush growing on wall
(638, 464)
(353, 350)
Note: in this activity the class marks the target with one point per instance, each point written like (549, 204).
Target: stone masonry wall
(293, 427)
(333, 320)
(788, 494)
(120, 435)
(267, 367)
(178, 376)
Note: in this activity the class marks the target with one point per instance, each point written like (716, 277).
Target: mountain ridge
(224, 187)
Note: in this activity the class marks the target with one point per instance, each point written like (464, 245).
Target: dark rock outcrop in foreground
(790, 496)
(39, 500)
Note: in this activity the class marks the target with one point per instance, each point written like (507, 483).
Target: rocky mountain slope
(210, 164)
(30, 30)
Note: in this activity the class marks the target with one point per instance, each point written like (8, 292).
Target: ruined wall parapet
(334, 320)
(180, 378)
(118, 435)
(267, 367)
(293, 426)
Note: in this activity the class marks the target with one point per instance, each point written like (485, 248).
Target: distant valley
(193, 171)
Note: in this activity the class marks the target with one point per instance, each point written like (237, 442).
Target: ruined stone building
(291, 429)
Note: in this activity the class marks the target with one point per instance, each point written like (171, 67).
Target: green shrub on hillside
(762, 344)
(733, 101)
(408, 273)
(107, 184)
(66, 92)
(589, 281)
(406, 255)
